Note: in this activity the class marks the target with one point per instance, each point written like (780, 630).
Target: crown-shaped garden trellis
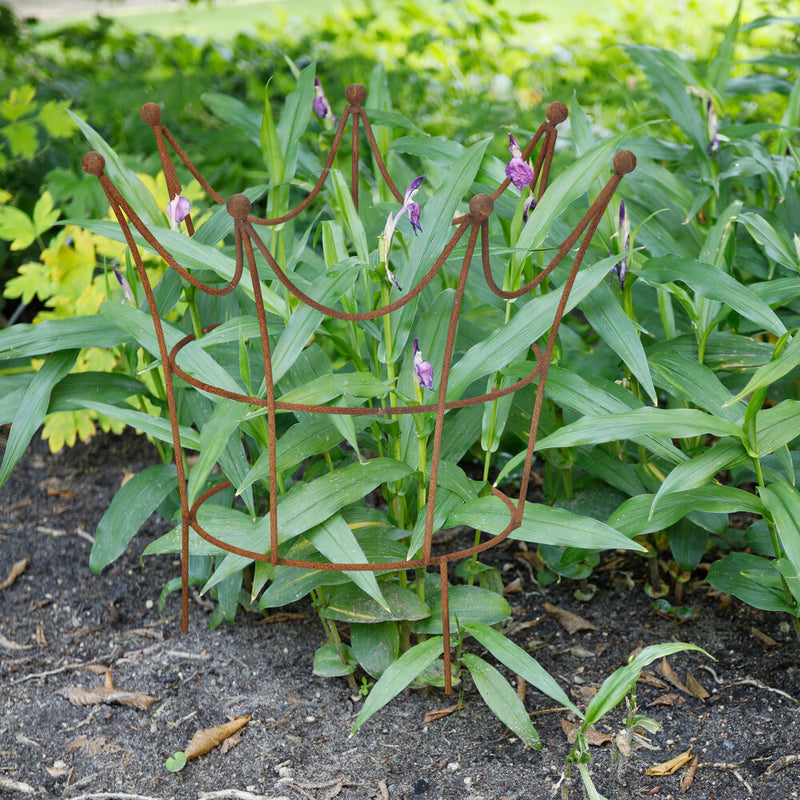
(473, 224)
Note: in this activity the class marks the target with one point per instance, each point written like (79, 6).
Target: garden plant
(670, 405)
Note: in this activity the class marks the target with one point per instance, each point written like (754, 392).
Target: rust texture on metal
(474, 225)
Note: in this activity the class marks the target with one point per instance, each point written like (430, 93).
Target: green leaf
(129, 510)
(753, 579)
(777, 426)
(235, 113)
(675, 423)
(328, 662)
(398, 676)
(376, 646)
(714, 284)
(335, 540)
(783, 503)
(621, 681)
(467, 604)
(24, 340)
(176, 762)
(347, 603)
(502, 699)
(634, 518)
(33, 408)
(520, 662)
(617, 330)
(328, 387)
(128, 184)
(774, 370)
(773, 243)
(16, 227)
(540, 524)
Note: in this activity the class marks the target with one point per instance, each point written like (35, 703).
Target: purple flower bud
(413, 217)
(621, 267)
(126, 287)
(527, 207)
(392, 279)
(177, 210)
(423, 370)
(517, 171)
(713, 127)
(320, 104)
(413, 187)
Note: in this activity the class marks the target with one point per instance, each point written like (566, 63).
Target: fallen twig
(782, 762)
(16, 786)
(747, 682)
(109, 657)
(236, 794)
(114, 796)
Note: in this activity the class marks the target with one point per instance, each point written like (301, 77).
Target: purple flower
(423, 371)
(321, 106)
(126, 287)
(713, 127)
(621, 267)
(517, 171)
(177, 210)
(410, 207)
(527, 207)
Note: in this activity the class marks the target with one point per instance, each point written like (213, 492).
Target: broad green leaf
(502, 699)
(687, 543)
(634, 518)
(777, 426)
(774, 370)
(33, 408)
(783, 503)
(347, 603)
(726, 454)
(24, 340)
(191, 254)
(616, 329)
(290, 584)
(670, 76)
(300, 509)
(467, 604)
(328, 387)
(689, 380)
(375, 646)
(130, 508)
(753, 579)
(506, 344)
(328, 662)
(334, 539)
(714, 284)
(157, 427)
(193, 359)
(214, 437)
(791, 576)
(621, 681)
(398, 676)
(520, 662)
(541, 525)
(235, 113)
(774, 244)
(128, 184)
(673, 423)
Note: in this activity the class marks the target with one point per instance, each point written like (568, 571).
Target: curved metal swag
(474, 224)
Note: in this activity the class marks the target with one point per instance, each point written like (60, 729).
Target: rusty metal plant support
(475, 223)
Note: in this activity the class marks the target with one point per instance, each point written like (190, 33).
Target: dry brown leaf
(103, 694)
(695, 687)
(593, 737)
(569, 621)
(671, 766)
(583, 694)
(688, 775)
(649, 679)
(9, 645)
(97, 745)
(17, 568)
(515, 587)
(432, 716)
(231, 742)
(207, 739)
(56, 772)
(670, 675)
(41, 639)
(667, 700)
(762, 637)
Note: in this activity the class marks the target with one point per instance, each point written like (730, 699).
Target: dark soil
(58, 618)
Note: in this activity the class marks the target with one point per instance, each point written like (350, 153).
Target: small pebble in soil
(453, 766)
(421, 786)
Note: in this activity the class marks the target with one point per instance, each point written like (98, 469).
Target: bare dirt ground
(61, 626)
